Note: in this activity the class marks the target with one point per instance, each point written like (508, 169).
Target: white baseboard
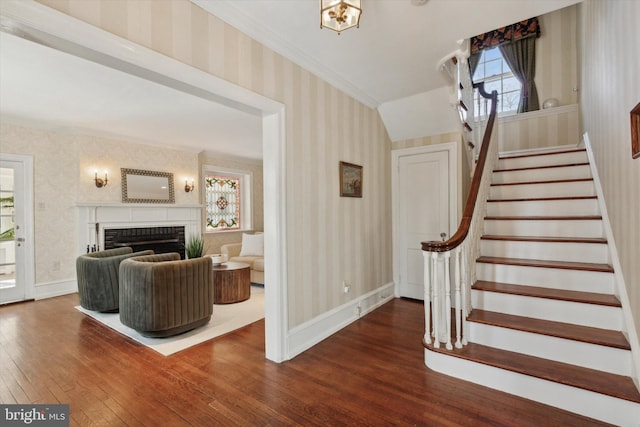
(310, 333)
(55, 289)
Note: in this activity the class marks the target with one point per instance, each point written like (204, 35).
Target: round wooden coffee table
(231, 282)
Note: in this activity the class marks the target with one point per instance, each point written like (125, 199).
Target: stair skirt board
(544, 228)
(578, 353)
(537, 189)
(577, 313)
(573, 280)
(581, 171)
(567, 251)
(587, 403)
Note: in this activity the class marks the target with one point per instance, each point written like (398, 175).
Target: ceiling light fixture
(340, 15)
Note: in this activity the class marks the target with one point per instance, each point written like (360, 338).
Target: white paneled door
(423, 213)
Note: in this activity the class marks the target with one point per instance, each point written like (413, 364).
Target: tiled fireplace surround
(94, 218)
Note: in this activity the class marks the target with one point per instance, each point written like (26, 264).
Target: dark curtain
(521, 57)
(474, 59)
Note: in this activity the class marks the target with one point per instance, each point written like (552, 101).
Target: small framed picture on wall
(350, 180)
(635, 132)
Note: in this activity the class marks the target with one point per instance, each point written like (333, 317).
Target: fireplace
(159, 239)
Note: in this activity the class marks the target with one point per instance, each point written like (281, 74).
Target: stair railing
(452, 262)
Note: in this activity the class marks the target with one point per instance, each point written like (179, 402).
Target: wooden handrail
(465, 222)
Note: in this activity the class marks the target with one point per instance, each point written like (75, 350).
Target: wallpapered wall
(330, 239)
(64, 166)
(556, 57)
(610, 88)
(213, 241)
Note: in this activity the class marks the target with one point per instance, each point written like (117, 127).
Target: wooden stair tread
(587, 334)
(567, 265)
(542, 199)
(546, 218)
(544, 153)
(618, 386)
(548, 293)
(599, 240)
(554, 181)
(564, 165)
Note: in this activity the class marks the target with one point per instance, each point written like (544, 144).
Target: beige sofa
(233, 250)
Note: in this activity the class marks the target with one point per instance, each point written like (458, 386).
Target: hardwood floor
(371, 373)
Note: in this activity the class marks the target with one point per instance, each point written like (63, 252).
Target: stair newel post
(436, 300)
(457, 295)
(447, 299)
(427, 297)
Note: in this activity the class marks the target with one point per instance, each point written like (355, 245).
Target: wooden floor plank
(569, 331)
(549, 293)
(370, 373)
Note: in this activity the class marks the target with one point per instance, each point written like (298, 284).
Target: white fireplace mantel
(95, 217)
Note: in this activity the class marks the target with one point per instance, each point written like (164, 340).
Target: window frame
(496, 78)
(246, 197)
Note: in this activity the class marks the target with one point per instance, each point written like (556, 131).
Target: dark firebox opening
(159, 239)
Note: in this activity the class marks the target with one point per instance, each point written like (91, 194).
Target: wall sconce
(99, 181)
(189, 187)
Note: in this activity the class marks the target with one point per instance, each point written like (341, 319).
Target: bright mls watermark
(34, 415)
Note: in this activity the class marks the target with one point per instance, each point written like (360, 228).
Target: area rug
(225, 318)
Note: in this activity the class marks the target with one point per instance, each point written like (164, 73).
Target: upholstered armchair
(162, 295)
(97, 274)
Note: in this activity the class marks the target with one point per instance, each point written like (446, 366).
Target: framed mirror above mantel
(142, 186)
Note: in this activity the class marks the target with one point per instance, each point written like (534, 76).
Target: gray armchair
(162, 295)
(97, 274)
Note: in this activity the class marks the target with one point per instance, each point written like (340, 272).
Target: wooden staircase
(546, 323)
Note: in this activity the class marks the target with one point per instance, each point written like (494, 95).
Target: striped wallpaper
(556, 57)
(330, 239)
(610, 88)
(539, 129)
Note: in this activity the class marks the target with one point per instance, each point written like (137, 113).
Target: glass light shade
(339, 15)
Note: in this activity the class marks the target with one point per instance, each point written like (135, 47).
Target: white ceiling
(395, 52)
(392, 56)
(54, 90)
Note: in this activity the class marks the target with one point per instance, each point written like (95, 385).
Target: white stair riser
(556, 251)
(556, 278)
(596, 316)
(544, 228)
(557, 189)
(547, 160)
(543, 174)
(544, 208)
(601, 358)
(594, 405)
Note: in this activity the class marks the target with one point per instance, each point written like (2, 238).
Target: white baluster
(447, 300)
(458, 301)
(465, 309)
(427, 297)
(435, 304)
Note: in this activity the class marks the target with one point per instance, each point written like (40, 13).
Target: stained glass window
(223, 202)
